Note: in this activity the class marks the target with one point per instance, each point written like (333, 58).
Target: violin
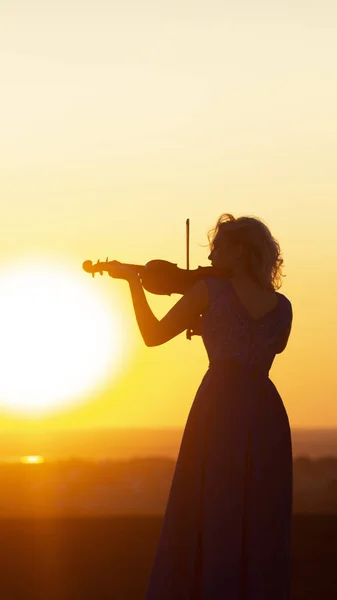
(161, 276)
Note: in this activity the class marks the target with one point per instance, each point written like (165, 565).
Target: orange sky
(119, 124)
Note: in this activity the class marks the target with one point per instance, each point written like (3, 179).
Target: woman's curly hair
(263, 250)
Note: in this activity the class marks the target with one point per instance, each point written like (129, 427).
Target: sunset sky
(121, 120)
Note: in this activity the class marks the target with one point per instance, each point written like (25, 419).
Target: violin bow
(188, 331)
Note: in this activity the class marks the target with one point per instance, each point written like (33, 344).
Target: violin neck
(138, 268)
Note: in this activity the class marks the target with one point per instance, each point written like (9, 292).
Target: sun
(59, 337)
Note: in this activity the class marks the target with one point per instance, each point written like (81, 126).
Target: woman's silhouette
(226, 533)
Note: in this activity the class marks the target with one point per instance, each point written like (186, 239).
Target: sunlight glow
(59, 339)
(32, 460)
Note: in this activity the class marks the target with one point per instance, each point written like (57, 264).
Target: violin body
(160, 276)
(163, 277)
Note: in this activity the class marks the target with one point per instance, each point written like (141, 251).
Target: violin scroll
(100, 267)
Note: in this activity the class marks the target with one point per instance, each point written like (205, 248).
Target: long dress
(226, 532)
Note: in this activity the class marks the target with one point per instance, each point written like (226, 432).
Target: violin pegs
(107, 259)
(92, 274)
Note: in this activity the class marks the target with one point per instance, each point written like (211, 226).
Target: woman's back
(229, 331)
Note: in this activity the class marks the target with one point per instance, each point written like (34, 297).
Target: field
(111, 559)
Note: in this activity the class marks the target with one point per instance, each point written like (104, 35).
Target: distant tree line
(77, 487)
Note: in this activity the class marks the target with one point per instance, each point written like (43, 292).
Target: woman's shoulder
(286, 306)
(284, 299)
(215, 288)
(213, 282)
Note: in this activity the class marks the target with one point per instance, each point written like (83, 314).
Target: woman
(226, 533)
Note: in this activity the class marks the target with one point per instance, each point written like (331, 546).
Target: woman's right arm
(284, 340)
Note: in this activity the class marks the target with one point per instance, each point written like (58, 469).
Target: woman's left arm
(147, 322)
(180, 317)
